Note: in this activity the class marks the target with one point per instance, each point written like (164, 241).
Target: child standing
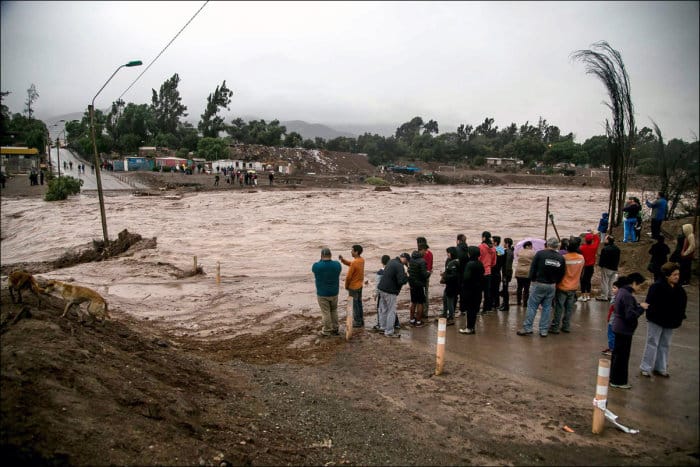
(611, 334)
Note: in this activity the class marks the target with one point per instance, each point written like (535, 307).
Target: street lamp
(58, 155)
(94, 146)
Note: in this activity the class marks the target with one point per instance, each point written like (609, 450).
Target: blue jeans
(540, 294)
(449, 302)
(611, 336)
(563, 305)
(629, 235)
(358, 319)
(656, 350)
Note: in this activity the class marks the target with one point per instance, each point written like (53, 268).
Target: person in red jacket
(487, 256)
(589, 249)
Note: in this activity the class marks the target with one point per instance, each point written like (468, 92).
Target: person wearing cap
(423, 247)
(390, 284)
(589, 249)
(353, 284)
(546, 271)
(327, 276)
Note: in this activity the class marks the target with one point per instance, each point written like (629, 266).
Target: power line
(164, 48)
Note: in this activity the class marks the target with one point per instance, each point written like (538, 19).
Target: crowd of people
(550, 281)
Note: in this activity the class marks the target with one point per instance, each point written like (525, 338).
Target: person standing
(608, 263)
(507, 273)
(522, 273)
(423, 247)
(685, 252)
(451, 280)
(487, 256)
(377, 277)
(353, 284)
(327, 276)
(463, 257)
(603, 224)
(565, 295)
(417, 275)
(625, 320)
(390, 284)
(659, 252)
(589, 250)
(546, 271)
(630, 212)
(658, 213)
(496, 272)
(667, 303)
(474, 285)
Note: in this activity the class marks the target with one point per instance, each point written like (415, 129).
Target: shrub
(376, 181)
(62, 187)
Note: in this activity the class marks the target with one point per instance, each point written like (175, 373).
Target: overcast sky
(366, 63)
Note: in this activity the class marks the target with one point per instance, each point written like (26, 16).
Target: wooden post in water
(440, 351)
(601, 394)
(195, 265)
(546, 220)
(218, 273)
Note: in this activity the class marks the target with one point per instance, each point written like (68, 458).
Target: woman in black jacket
(626, 315)
(667, 302)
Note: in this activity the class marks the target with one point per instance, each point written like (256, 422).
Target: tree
(212, 149)
(409, 130)
(5, 137)
(211, 123)
(167, 106)
(431, 128)
(32, 96)
(606, 63)
(293, 140)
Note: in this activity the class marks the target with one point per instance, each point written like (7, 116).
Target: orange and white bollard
(218, 273)
(601, 395)
(440, 352)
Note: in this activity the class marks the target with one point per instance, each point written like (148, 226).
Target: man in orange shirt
(353, 284)
(565, 296)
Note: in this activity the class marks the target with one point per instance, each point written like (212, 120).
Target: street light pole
(94, 147)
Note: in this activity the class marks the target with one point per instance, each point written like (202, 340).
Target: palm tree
(606, 63)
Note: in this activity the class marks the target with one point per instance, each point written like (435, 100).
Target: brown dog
(21, 280)
(75, 295)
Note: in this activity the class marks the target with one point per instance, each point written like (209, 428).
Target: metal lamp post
(58, 155)
(94, 146)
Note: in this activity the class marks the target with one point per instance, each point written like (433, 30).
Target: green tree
(167, 106)
(211, 123)
(212, 149)
(293, 140)
(5, 117)
(409, 130)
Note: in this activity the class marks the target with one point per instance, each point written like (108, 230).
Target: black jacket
(394, 277)
(609, 257)
(417, 272)
(666, 304)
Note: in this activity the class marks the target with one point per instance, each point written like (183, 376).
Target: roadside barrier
(440, 351)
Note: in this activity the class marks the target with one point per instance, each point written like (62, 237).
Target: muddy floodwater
(266, 241)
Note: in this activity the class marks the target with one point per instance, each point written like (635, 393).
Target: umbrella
(537, 245)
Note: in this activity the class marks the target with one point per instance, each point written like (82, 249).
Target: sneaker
(467, 331)
(601, 299)
(645, 373)
(397, 326)
(450, 322)
(419, 324)
(607, 352)
(582, 298)
(543, 334)
(554, 331)
(376, 327)
(662, 374)
(503, 308)
(395, 335)
(412, 321)
(325, 334)
(566, 330)
(523, 332)
(620, 386)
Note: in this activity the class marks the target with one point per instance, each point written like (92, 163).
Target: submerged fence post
(218, 273)
(195, 265)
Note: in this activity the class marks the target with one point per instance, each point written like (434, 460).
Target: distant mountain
(314, 130)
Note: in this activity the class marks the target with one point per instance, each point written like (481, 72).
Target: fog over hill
(305, 129)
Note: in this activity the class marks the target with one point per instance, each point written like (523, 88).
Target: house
(19, 159)
(502, 161)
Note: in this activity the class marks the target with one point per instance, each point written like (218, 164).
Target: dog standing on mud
(76, 294)
(21, 280)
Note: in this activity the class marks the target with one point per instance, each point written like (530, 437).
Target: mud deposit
(195, 371)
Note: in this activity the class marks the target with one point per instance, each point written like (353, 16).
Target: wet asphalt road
(110, 181)
(570, 361)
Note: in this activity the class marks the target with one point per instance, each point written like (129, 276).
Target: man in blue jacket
(658, 213)
(327, 275)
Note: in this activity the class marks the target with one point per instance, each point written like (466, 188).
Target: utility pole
(58, 157)
(97, 175)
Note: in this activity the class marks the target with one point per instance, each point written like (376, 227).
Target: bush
(62, 187)
(376, 181)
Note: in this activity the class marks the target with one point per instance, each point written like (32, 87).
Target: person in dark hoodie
(603, 224)
(474, 284)
(450, 277)
(417, 277)
(390, 284)
(463, 257)
(626, 317)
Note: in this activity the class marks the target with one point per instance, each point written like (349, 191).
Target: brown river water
(266, 241)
